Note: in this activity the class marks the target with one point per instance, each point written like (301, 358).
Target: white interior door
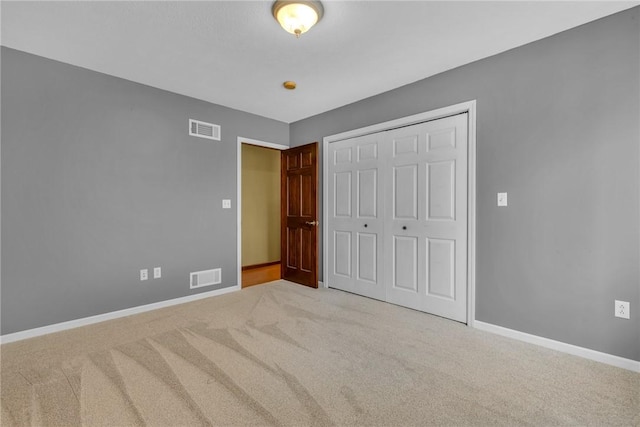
(355, 216)
(397, 228)
(426, 217)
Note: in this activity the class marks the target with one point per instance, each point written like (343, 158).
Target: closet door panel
(368, 193)
(367, 257)
(446, 221)
(429, 160)
(441, 268)
(441, 190)
(355, 207)
(405, 263)
(342, 200)
(342, 253)
(404, 193)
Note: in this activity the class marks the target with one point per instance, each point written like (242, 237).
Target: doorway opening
(258, 211)
(260, 215)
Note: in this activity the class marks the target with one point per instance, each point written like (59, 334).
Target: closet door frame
(468, 107)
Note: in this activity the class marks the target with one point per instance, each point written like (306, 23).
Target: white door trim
(241, 140)
(468, 107)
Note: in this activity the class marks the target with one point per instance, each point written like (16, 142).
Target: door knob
(365, 226)
(312, 223)
(404, 227)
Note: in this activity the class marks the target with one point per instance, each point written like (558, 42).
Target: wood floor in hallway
(258, 275)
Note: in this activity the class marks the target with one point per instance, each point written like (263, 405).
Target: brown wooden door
(299, 215)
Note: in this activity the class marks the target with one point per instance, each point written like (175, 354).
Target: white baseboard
(586, 353)
(71, 324)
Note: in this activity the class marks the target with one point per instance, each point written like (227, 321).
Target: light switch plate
(144, 274)
(226, 204)
(157, 272)
(502, 199)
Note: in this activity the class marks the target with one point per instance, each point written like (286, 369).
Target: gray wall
(557, 128)
(99, 180)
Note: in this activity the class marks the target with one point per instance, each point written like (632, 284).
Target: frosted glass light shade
(297, 17)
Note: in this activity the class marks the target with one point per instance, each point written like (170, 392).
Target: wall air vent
(199, 279)
(204, 130)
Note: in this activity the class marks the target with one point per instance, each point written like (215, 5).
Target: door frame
(241, 140)
(468, 107)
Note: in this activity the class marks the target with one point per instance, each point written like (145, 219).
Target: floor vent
(199, 279)
(204, 130)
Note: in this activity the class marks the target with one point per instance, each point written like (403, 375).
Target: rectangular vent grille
(204, 130)
(199, 279)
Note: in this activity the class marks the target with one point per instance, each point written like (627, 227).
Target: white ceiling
(235, 54)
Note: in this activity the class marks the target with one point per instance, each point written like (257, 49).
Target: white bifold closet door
(355, 211)
(398, 216)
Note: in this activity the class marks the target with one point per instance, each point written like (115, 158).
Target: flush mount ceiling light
(297, 17)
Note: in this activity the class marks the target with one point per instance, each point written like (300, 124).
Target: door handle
(312, 223)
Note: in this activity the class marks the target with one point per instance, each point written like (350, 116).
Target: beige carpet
(282, 354)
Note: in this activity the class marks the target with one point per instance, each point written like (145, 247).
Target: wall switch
(226, 204)
(502, 199)
(144, 274)
(157, 273)
(622, 309)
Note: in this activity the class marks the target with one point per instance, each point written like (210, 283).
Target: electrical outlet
(157, 273)
(226, 204)
(144, 274)
(622, 309)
